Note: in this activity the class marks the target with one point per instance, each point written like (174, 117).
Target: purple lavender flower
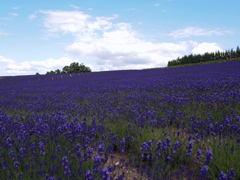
(77, 148)
(33, 148)
(168, 141)
(189, 149)
(101, 148)
(97, 162)
(122, 145)
(105, 174)
(147, 146)
(87, 142)
(89, 175)
(198, 154)
(10, 142)
(144, 147)
(208, 157)
(42, 147)
(16, 164)
(58, 148)
(221, 128)
(49, 178)
(121, 177)
(110, 148)
(23, 151)
(159, 145)
(90, 152)
(11, 154)
(231, 174)
(115, 139)
(222, 176)
(129, 126)
(64, 163)
(203, 174)
(27, 167)
(177, 145)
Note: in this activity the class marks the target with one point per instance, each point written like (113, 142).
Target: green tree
(75, 67)
(238, 52)
(65, 69)
(57, 71)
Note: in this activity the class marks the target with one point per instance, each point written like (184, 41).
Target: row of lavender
(163, 123)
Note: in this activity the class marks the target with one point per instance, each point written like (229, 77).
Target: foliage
(207, 57)
(74, 67)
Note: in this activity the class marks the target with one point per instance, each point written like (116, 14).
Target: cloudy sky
(39, 36)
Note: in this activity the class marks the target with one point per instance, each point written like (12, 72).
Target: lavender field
(176, 123)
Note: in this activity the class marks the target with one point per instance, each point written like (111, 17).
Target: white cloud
(10, 17)
(6, 60)
(15, 7)
(65, 21)
(32, 16)
(31, 67)
(121, 49)
(3, 33)
(74, 7)
(13, 14)
(206, 47)
(77, 23)
(195, 31)
(110, 45)
(157, 4)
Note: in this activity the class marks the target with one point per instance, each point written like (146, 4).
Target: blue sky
(39, 36)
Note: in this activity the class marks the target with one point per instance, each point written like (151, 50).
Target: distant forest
(214, 56)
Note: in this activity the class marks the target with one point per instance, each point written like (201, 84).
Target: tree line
(74, 67)
(200, 58)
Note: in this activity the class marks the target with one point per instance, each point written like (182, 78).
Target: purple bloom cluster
(189, 148)
(203, 174)
(122, 145)
(16, 164)
(147, 146)
(208, 157)
(66, 166)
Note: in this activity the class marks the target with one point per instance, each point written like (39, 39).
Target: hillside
(156, 123)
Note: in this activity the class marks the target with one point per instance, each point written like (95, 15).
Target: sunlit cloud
(206, 47)
(111, 45)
